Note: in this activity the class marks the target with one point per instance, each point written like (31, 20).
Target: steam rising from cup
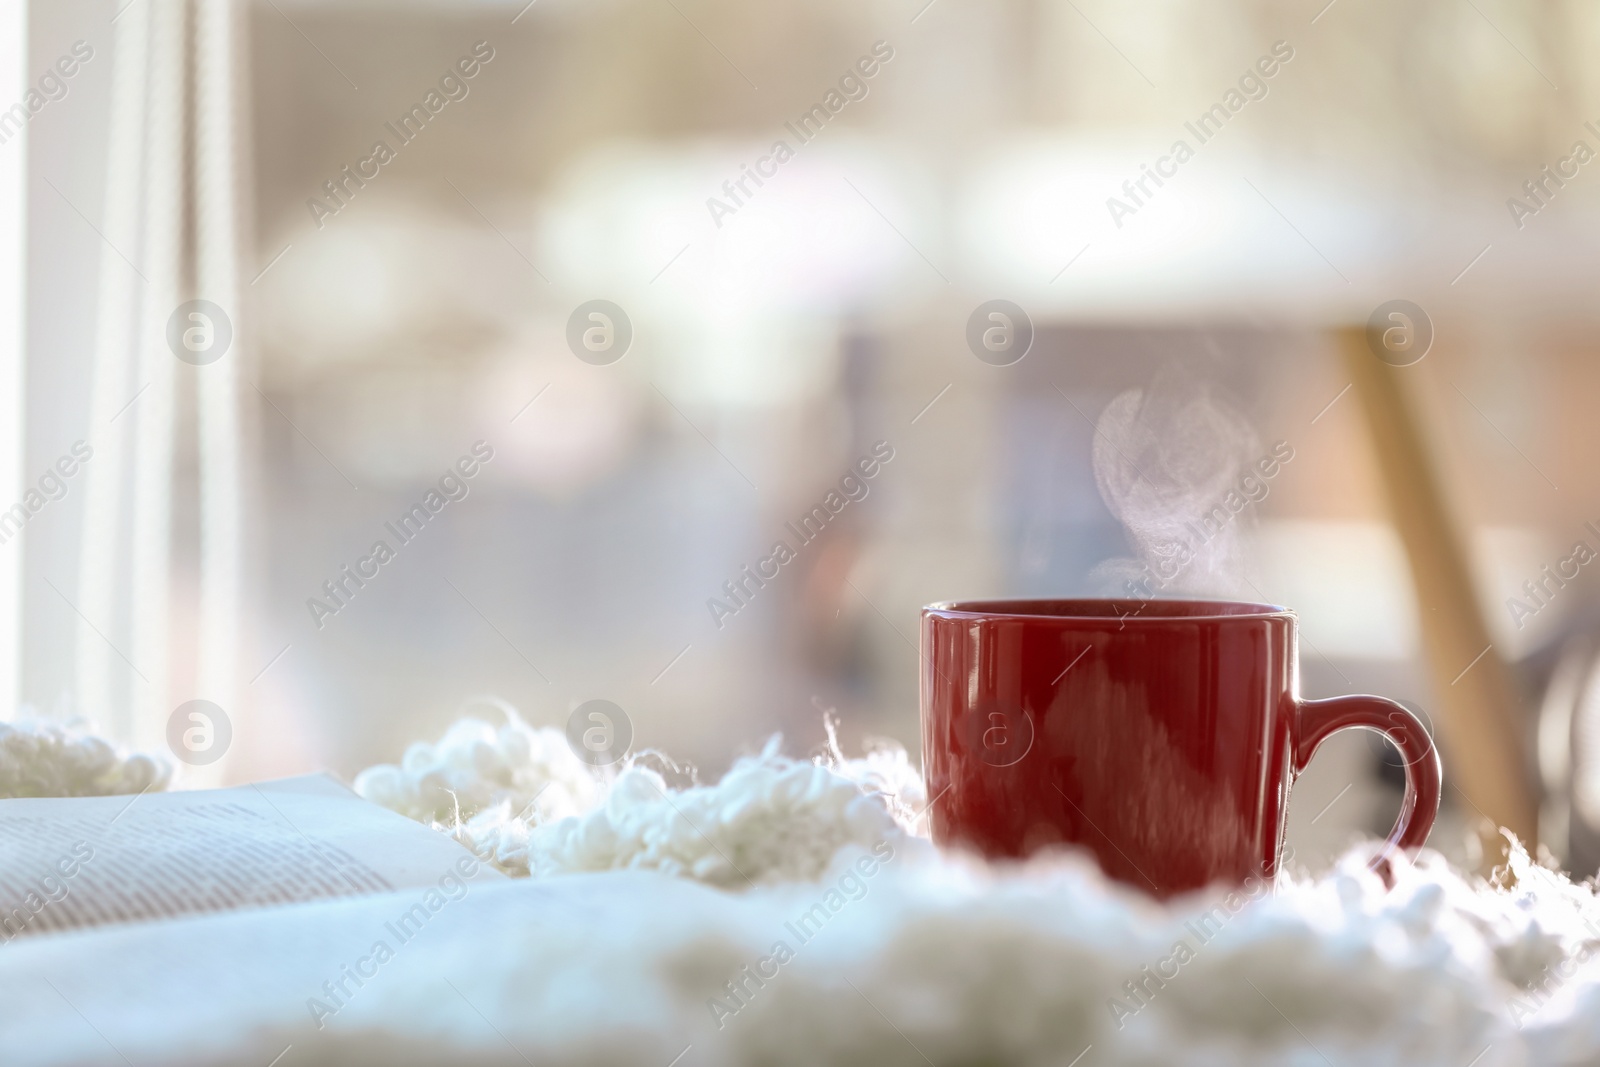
(1180, 470)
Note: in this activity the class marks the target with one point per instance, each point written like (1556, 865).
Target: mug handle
(1318, 719)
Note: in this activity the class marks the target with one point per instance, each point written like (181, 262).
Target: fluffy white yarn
(44, 758)
(770, 819)
(1022, 967)
(515, 769)
(934, 961)
(519, 796)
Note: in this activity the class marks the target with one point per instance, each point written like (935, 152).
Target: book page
(86, 861)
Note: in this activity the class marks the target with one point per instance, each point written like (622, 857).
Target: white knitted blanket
(917, 958)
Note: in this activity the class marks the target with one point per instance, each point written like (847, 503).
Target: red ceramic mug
(1162, 735)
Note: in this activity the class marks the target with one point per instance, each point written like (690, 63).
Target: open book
(87, 861)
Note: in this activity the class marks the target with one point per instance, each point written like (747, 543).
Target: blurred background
(387, 317)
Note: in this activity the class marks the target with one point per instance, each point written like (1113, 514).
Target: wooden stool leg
(1479, 709)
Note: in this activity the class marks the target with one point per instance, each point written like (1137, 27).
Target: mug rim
(1073, 609)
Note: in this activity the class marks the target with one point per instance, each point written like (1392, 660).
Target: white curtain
(173, 193)
(13, 250)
